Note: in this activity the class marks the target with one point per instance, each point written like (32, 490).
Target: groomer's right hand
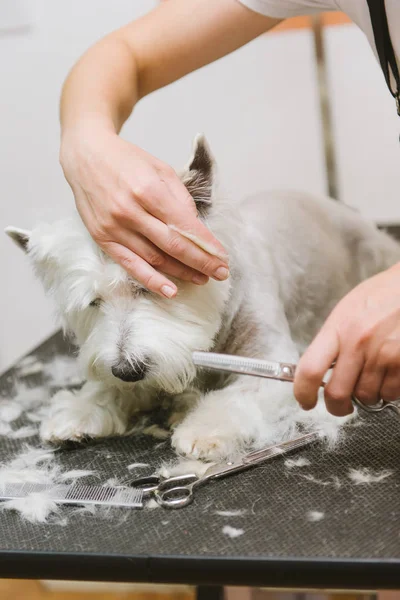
(127, 198)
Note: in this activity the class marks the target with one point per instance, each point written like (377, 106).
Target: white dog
(292, 257)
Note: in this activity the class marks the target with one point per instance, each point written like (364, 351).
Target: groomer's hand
(363, 335)
(127, 199)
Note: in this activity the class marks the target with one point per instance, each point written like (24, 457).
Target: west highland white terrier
(293, 256)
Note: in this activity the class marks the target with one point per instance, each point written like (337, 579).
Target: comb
(76, 494)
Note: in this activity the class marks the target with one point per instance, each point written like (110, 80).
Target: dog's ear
(199, 175)
(20, 236)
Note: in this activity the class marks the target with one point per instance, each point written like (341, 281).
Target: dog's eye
(95, 303)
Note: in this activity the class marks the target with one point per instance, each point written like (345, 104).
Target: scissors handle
(148, 484)
(380, 406)
(175, 497)
(176, 492)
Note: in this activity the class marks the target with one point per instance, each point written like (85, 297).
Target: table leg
(209, 592)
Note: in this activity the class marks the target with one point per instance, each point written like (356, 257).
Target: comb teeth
(238, 364)
(76, 494)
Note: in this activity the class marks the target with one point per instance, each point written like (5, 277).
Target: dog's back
(312, 250)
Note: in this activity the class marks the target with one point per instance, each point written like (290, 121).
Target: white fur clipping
(183, 467)
(333, 480)
(31, 457)
(137, 466)
(230, 513)
(63, 371)
(36, 465)
(290, 463)
(23, 432)
(9, 411)
(33, 403)
(157, 432)
(152, 504)
(232, 532)
(366, 476)
(25, 362)
(32, 368)
(74, 474)
(36, 508)
(30, 398)
(314, 516)
(113, 482)
(5, 429)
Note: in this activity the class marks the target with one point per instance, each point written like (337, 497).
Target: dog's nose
(129, 372)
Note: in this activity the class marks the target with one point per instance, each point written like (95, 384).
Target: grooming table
(355, 545)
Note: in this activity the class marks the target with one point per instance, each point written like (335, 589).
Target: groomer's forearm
(102, 87)
(175, 38)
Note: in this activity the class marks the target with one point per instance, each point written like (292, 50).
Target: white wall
(365, 124)
(258, 107)
(33, 66)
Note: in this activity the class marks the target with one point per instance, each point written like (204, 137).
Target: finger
(184, 250)
(369, 384)
(339, 389)
(181, 213)
(139, 246)
(158, 259)
(140, 270)
(390, 389)
(313, 365)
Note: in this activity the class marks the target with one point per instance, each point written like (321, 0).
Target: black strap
(384, 47)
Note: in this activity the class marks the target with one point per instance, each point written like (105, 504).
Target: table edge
(296, 573)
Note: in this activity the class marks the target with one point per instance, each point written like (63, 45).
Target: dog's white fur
(292, 257)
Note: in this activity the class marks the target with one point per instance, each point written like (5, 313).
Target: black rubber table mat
(355, 541)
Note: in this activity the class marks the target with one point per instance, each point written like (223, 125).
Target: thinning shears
(273, 370)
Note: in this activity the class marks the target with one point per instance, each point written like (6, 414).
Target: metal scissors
(273, 370)
(177, 492)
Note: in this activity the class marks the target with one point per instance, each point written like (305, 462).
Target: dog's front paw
(197, 441)
(75, 417)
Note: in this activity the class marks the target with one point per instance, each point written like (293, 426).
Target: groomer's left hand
(362, 334)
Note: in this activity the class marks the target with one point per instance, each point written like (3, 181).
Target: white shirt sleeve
(283, 9)
(357, 10)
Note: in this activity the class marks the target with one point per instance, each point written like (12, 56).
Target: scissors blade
(245, 366)
(283, 448)
(254, 458)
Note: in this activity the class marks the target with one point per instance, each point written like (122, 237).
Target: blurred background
(304, 107)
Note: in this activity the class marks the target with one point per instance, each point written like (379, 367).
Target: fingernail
(199, 279)
(168, 291)
(221, 273)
